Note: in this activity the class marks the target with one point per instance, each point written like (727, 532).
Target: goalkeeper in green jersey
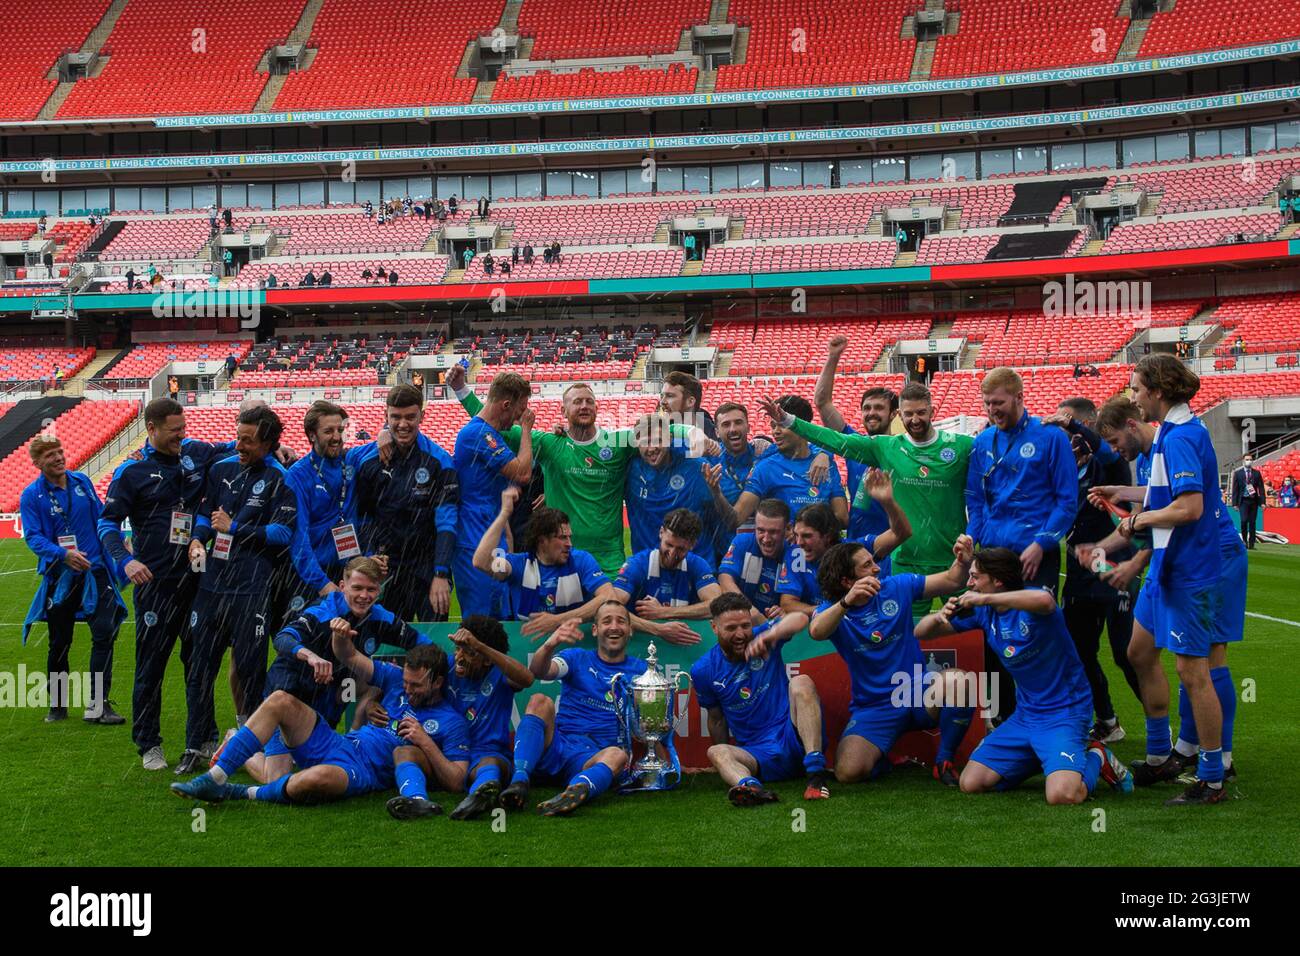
(928, 468)
(585, 468)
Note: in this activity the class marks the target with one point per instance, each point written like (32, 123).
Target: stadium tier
(183, 56)
(571, 29)
(1192, 232)
(799, 257)
(148, 359)
(35, 38)
(1262, 323)
(41, 363)
(1212, 24)
(999, 36)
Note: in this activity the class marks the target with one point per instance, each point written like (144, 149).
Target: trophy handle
(689, 682)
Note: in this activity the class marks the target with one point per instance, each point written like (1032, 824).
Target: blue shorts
(779, 757)
(477, 756)
(1186, 619)
(1022, 746)
(325, 746)
(567, 755)
(1144, 610)
(479, 593)
(1232, 598)
(883, 724)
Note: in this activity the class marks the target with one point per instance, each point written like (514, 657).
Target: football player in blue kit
(485, 467)
(1122, 424)
(753, 561)
(576, 743)
(869, 620)
(670, 583)
(1048, 730)
(426, 733)
(481, 684)
(550, 581)
(743, 686)
(1184, 599)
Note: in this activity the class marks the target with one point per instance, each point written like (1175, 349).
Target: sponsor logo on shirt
(1009, 651)
(923, 471)
(744, 693)
(470, 714)
(877, 637)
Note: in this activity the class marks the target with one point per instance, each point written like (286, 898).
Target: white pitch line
(1275, 620)
(19, 571)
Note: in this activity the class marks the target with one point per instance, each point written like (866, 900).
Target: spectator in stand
(488, 263)
(546, 254)
(1239, 347)
(381, 275)
(58, 378)
(688, 243)
(555, 252)
(505, 266)
(417, 379)
(367, 276)
(452, 205)
(212, 219)
(528, 253)
(383, 215)
(370, 209)
(130, 279)
(173, 387)
(228, 218)
(468, 255)
(271, 280)
(440, 211)
(481, 210)
(231, 364)
(900, 237)
(213, 281)
(309, 279)
(227, 262)
(514, 254)
(428, 209)
(392, 277)
(326, 278)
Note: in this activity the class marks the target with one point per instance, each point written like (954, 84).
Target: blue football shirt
(754, 695)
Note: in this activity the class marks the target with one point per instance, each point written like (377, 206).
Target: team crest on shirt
(81, 492)
(1024, 628)
(370, 646)
(348, 472)
(756, 664)
(889, 608)
(676, 482)
(1027, 450)
(486, 689)
(259, 487)
(187, 463)
(194, 618)
(605, 454)
(422, 476)
(150, 618)
(430, 726)
(297, 603)
(948, 455)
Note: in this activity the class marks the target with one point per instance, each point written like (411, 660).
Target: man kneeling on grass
(426, 735)
(1048, 730)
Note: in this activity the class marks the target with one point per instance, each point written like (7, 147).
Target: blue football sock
(1187, 732)
(410, 780)
(1227, 691)
(597, 777)
(237, 751)
(749, 782)
(530, 741)
(1092, 768)
(814, 761)
(273, 792)
(1209, 766)
(953, 724)
(489, 771)
(1157, 738)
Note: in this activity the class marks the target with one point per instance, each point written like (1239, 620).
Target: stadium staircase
(299, 35)
(1290, 231)
(28, 417)
(692, 267)
(1092, 247)
(106, 235)
(1133, 37)
(970, 357)
(94, 43)
(721, 365)
(904, 259)
(103, 361)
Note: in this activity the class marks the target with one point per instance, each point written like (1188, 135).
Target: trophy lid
(652, 679)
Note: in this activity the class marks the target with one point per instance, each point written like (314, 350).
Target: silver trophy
(646, 713)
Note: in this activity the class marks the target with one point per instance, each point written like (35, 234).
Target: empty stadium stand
(1191, 232)
(798, 257)
(39, 363)
(34, 41)
(145, 360)
(573, 29)
(183, 56)
(1003, 36)
(1212, 24)
(1264, 323)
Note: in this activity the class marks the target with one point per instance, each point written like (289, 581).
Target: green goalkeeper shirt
(929, 485)
(585, 480)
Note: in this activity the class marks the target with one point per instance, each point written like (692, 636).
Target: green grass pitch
(76, 795)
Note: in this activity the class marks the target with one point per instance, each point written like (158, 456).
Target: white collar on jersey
(1178, 415)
